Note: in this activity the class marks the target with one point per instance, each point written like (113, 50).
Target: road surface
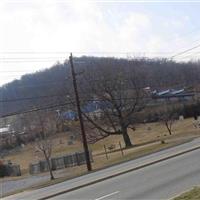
(158, 181)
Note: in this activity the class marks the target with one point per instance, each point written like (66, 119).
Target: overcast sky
(37, 33)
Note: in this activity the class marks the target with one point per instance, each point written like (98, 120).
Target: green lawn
(194, 194)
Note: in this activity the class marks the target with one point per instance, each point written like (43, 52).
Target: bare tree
(43, 123)
(44, 143)
(168, 118)
(118, 96)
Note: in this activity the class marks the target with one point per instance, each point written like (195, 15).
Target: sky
(36, 34)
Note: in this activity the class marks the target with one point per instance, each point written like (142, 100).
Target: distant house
(172, 94)
(6, 136)
(69, 115)
(92, 109)
(5, 131)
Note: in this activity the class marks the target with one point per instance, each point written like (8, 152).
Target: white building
(4, 130)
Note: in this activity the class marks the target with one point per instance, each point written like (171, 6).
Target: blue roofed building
(93, 109)
(69, 115)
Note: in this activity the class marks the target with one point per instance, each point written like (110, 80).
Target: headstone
(72, 137)
(60, 141)
(70, 142)
(181, 117)
(111, 147)
(149, 128)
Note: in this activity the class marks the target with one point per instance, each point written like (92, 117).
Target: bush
(192, 110)
(3, 171)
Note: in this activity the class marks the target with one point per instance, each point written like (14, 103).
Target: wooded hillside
(51, 86)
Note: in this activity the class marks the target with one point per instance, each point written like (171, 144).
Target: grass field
(194, 194)
(153, 132)
(144, 133)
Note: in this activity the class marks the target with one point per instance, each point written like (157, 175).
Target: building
(4, 130)
(173, 95)
(93, 109)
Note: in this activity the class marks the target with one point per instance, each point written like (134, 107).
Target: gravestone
(70, 142)
(181, 117)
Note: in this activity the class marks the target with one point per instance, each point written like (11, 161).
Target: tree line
(53, 86)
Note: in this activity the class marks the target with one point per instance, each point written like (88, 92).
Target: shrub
(3, 171)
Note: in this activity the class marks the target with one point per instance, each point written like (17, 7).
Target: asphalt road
(159, 181)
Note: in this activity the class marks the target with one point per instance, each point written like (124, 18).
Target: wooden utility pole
(85, 145)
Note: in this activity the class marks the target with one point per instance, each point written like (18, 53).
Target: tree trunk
(126, 138)
(49, 166)
(50, 170)
(168, 128)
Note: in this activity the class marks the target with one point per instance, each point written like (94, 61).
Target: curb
(181, 193)
(120, 173)
(186, 191)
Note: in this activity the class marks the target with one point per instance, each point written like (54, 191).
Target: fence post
(121, 148)
(91, 157)
(106, 152)
(77, 159)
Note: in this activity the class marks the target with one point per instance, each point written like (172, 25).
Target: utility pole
(85, 145)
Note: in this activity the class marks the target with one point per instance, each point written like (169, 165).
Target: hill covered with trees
(53, 86)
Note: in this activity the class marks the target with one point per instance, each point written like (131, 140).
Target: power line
(35, 110)
(59, 95)
(14, 71)
(185, 51)
(27, 61)
(31, 98)
(88, 52)
(196, 54)
(29, 58)
(92, 81)
(51, 59)
(65, 95)
(91, 52)
(46, 83)
(65, 104)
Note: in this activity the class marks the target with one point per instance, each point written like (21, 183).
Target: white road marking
(108, 195)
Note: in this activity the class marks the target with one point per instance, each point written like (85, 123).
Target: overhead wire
(62, 95)
(11, 59)
(71, 102)
(185, 51)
